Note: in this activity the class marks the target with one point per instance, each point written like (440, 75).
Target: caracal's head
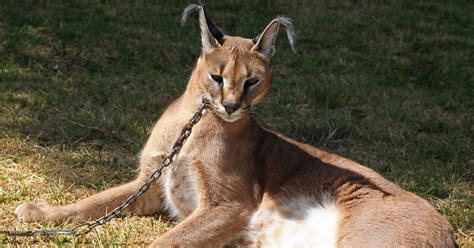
(235, 72)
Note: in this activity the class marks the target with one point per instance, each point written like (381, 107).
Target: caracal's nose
(230, 107)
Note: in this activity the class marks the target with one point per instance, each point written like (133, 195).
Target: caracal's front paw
(28, 212)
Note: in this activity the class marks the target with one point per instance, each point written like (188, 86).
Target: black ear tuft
(213, 29)
(287, 25)
(265, 42)
(187, 11)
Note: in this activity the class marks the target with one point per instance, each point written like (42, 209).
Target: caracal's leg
(99, 204)
(218, 219)
(94, 206)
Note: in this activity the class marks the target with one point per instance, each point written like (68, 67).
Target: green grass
(81, 83)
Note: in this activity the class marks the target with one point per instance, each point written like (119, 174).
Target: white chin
(229, 118)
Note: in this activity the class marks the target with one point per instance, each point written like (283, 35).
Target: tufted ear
(265, 42)
(211, 36)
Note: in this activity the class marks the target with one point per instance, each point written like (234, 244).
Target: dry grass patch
(59, 177)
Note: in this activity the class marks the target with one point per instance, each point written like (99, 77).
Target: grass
(81, 83)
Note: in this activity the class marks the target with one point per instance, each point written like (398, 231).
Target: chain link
(85, 228)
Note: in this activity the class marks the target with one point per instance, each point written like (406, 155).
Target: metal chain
(89, 226)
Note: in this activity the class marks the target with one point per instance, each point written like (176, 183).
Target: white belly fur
(308, 224)
(180, 188)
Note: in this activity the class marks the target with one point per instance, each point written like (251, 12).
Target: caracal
(236, 183)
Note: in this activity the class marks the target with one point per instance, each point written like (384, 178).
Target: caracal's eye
(251, 82)
(218, 79)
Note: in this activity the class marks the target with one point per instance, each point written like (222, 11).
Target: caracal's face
(234, 77)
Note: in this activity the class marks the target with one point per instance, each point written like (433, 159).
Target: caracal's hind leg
(99, 204)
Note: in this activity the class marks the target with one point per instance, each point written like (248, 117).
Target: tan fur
(230, 167)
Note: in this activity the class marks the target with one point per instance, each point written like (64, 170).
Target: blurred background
(386, 83)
